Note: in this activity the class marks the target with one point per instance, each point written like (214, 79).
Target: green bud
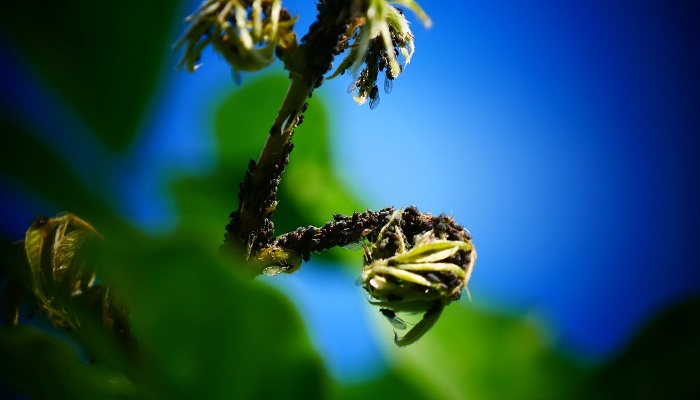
(56, 263)
(244, 32)
(421, 275)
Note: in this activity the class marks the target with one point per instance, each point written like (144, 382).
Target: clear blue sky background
(562, 134)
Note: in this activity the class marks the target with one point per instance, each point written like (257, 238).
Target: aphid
(236, 77)
(374, 98)
(395, 321)
(388, 84)
(353, 85)
(413, 210)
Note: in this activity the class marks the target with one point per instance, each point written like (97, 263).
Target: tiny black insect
(395, 321)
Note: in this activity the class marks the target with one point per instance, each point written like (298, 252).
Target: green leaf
(662, 362)
(42, 366)
(39, 169)
(102, 57)
(474, 355)
(205, 332)
(390, 385)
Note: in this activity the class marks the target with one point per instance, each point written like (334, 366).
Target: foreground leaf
(474, 355)
(42, 366)
(205, 332)
(663, 361)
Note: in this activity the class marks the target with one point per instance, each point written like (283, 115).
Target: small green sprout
(52, 271)
(244, 32)
(57, 267)
(421, 275)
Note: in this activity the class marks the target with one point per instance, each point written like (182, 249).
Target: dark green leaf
(37, 167)
(102, 57)
(42, 366)
(662, 362)
(205, 332)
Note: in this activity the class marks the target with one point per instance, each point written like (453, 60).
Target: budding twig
(413, 262)
(368, 226)
(251, 226)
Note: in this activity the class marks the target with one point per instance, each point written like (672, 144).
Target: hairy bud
(422, 274)
(244, 32)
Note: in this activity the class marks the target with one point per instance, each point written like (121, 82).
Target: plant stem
(251, 227)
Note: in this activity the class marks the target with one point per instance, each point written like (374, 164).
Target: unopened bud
(420, 275)
(244, 32)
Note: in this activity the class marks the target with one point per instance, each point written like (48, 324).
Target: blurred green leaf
(202, 331)
(205, 332)
(42, 366)
(390, 385)
(103, 58)
(474, 355)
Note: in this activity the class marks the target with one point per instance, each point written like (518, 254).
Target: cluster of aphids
(346, 230)
(366, 84)
(326, 37)
(342, 231)
(376, 61)
(263, 197)
(414, 262)
(264, 201)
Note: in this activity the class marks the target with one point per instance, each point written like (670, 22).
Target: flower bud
(422, 274)
(244, 32)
